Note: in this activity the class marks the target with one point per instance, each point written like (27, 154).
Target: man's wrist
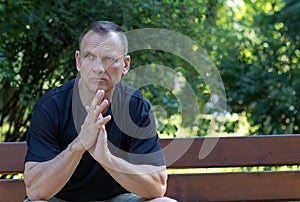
(77, 146)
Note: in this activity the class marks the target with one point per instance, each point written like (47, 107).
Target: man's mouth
(98, 79)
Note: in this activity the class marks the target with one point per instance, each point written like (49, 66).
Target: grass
(234, 169)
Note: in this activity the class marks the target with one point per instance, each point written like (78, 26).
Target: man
(93, 138)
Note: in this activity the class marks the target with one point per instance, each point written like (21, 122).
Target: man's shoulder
(59, 93)
(127, 95)
(128, 91)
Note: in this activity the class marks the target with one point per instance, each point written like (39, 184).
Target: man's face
(101, 61)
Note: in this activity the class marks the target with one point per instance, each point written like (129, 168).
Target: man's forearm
(148, 182)
(43, 180)
(144, 180)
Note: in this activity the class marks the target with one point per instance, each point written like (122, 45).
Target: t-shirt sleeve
(144, 147)
(41, 138)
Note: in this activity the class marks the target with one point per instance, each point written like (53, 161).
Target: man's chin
(102, 87)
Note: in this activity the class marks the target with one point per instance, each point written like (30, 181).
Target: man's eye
(108, 59)
(90, 56)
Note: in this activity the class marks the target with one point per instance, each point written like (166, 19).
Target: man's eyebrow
(87, 50)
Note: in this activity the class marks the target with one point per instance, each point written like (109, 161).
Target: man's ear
(127, 65)
(77, 59)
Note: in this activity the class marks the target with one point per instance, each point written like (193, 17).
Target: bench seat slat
(235, 186)
(12, 190)
(207, 187)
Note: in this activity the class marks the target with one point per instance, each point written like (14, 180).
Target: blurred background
(254, 44)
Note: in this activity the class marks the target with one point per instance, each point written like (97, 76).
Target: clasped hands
(93, 135)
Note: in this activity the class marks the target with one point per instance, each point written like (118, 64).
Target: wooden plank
(228, 151)
(12, 156)
(258, 186)
(233, 151)
(207, 187)
(12, 190)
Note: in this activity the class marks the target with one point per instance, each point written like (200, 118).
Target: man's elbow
(156, 192)
(160, 189)
(33, 194)
(163, 183)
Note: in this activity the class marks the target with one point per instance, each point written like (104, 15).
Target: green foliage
(255, 46)
(265, 81)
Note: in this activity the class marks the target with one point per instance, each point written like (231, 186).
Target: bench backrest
(184, 153)
(12, 157)
(237, 186)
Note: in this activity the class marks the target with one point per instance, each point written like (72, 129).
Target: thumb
(87, 108)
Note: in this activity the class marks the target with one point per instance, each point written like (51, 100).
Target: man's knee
(162, 199)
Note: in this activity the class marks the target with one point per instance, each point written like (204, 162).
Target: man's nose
(99, 67)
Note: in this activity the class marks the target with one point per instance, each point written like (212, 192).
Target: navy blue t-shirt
(56, 122)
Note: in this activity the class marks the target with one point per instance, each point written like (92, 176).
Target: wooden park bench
(252, 151)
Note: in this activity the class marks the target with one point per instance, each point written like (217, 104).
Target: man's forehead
(93, 41)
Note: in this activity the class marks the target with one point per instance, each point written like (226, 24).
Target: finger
(94, 108)
(87, 109)
(97, 99)
(99, 108)
(103, 121)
